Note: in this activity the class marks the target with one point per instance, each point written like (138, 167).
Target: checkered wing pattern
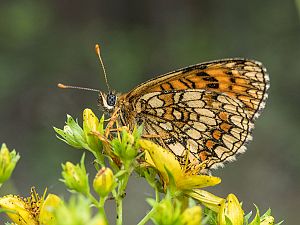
(204, 112)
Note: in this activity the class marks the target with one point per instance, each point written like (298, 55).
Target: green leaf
(247, 217)
(256, 220)
(267, 213)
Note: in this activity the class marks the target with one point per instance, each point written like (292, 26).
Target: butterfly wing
(212, 127)
(205, 111)
(245, 80)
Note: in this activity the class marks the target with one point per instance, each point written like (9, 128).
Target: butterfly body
(205, 111)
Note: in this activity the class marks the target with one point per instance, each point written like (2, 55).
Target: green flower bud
(231, 209)
(8, 161)
(75, 176)
(72, 134)
(99, 220)
(166, 211)
(104, 181)
(126, 147)
(268, 220)
(192, 216)
(76, 211)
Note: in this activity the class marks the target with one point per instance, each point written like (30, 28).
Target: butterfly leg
(111, 122)
(120, 129)
(150, 136)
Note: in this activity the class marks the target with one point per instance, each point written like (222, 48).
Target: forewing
(245, 80)
(211, 126)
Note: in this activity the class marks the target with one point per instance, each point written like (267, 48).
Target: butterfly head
(107, 101)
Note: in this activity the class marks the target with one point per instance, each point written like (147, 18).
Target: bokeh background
(46, 42)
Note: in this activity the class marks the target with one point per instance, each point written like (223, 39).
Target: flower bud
(192, 216)
(8, 161)
(72, 134)
(231, 209)
(91, 124)
(76, 211)
(75, 177)
(99, 220)
(104, 181)
(268, 220)
(166, 211)
(126, 147)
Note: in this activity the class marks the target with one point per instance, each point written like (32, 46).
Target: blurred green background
(46, 42)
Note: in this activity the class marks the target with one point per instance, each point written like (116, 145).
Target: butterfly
(205, 111)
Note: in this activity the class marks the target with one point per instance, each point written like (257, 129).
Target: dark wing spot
(202, 74)
(213, 85)
(188, 69)
(212, 79)
(232, 79)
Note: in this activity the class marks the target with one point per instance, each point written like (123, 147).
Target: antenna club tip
(97, 48)
(61, 85)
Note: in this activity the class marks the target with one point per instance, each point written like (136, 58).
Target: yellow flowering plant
(178, 198)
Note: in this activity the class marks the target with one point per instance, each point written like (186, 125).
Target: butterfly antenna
(97, 48)
(75, 87)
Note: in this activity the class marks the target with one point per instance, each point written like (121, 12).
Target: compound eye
(111, 99)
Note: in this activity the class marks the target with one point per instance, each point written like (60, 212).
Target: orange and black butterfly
(205, 111)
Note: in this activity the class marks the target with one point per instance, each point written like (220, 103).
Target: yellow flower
(231, 209)
(165, 162)
(29, 211)
(17, 210)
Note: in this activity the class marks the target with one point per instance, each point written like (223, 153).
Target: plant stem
(119, 208)
(93, 200)
(119, 198)
(101, 208)
(156, 194)
(146, 217)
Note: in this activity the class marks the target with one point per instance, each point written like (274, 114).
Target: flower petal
(197, 181)
(47, 209)
(209, 200)
(16, 210)
(162, 158)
